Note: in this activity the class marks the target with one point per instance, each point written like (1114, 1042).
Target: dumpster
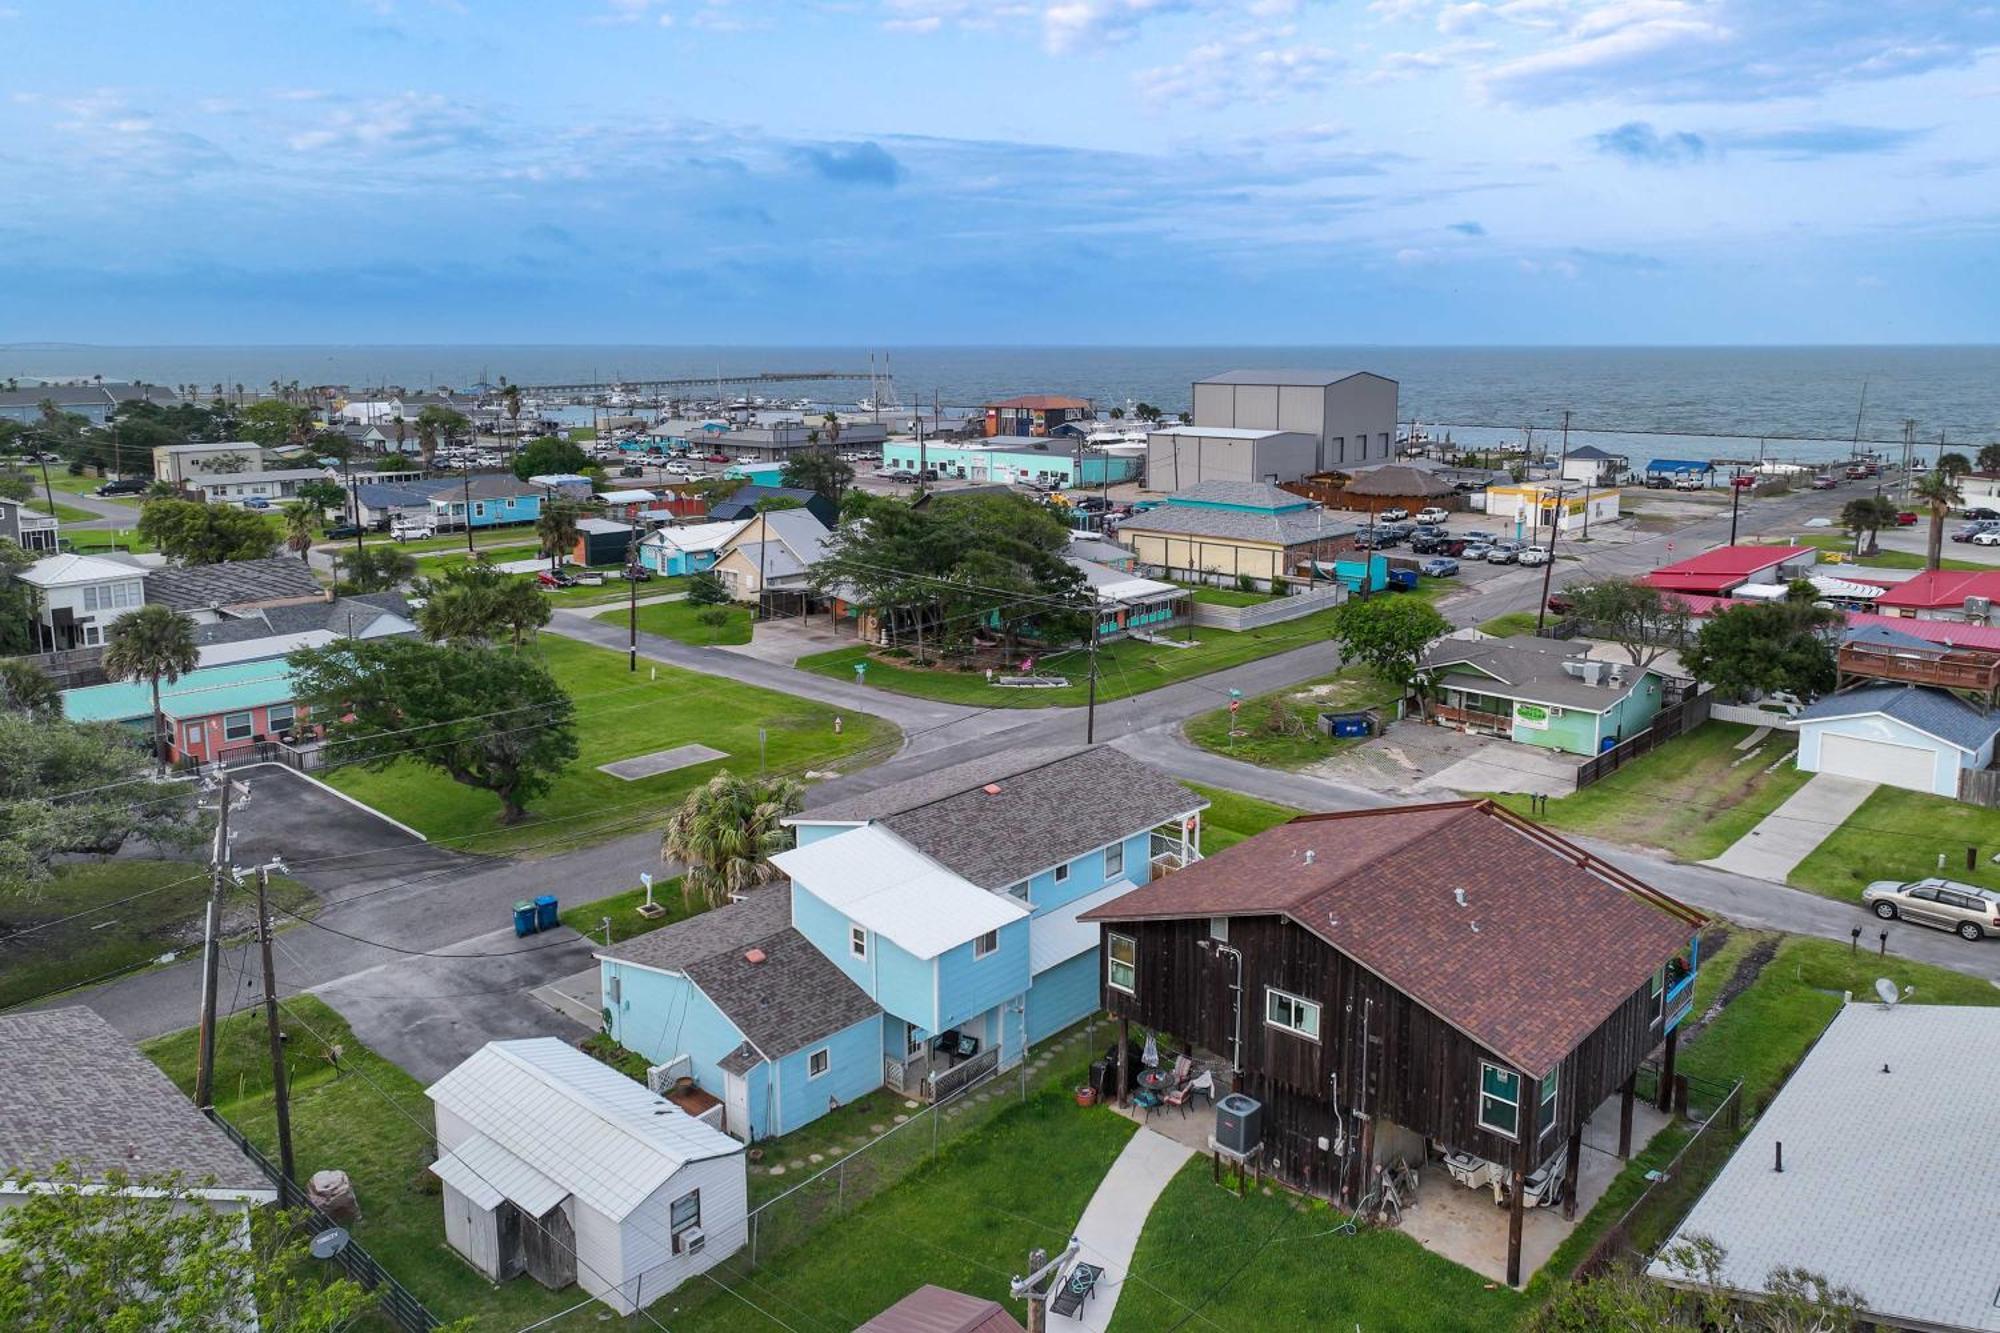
(1403, 580)
(524, 919)
(545, 912)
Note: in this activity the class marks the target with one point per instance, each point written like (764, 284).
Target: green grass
(1281, 729)
(623, 909)
(1882, 559)
(1898, 834)
(1125, 667)
(614, 591)
(682, 620)
(620, 715)
(1509, 625)
(112, 936)
(514, 534)
(1213, 596)
(63, 512)
(1231, 817)
(1691, 797)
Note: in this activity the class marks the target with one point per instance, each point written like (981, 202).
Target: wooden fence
(1671, 721)
(1979, 786)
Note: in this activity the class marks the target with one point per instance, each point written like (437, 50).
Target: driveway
(1788, 835)
(330, 843)
(785, 641)
(1416, 759)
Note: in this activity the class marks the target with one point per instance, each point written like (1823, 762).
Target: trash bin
(524, 919)
(545, 912)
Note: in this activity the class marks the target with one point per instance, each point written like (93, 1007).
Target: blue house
(928, 937)
(688, 550)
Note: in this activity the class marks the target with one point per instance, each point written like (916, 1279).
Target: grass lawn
(620, 715)
(112, 935)
(66, 513)
(1271, 1260)
(1231, 817)
(1693, 796)
(613, 591)
(623, 909)
(1514, 622)
(1282, 728)
(1899, 834)
(682, 620)
(1882, 559)
(1125, 667)
(433, 565)
(1214, 596)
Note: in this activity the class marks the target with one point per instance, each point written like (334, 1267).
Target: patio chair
(1182, 1068)
(1148, 1101)
(1178, 1097)
(1203, 1085)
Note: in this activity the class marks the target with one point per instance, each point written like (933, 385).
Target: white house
(1530, 506)
(79, 596)
(1903, 735)
(29, 529)
(1594, 466)
(280, 484)
(562, 1167)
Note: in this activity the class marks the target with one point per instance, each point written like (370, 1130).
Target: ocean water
(1789, 401)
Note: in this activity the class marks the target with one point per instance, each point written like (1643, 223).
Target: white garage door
(1876, 761)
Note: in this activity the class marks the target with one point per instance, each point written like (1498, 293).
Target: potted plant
(1086, 1096)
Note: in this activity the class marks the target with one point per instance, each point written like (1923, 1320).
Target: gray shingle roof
(1294, 529)
(794, 997)
(1397, 479)
(1260, 494)
(303, 617)
(1526, 668)
(1934, 712)
(1054, 803)
(73, 1089)
(233, 583)
(731, 927)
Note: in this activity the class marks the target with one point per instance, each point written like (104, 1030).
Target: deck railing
(943, 1083)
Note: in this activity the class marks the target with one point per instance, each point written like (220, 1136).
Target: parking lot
(330, 843)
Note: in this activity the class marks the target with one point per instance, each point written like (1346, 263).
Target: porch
(1474, 719)
(933, 1076)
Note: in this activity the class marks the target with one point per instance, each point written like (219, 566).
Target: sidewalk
(1789, 834)
(1111, 1224)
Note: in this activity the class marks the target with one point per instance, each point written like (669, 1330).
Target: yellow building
(1532, 506)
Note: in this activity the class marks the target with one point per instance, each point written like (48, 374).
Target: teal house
(925, 937)
(1541, 692)
(211, 713)
(1024, 460)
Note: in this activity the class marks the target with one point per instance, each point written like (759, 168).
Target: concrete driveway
(1417, 759)
(1788, 835)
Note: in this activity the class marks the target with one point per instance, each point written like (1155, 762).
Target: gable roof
(357, 613)
(1295, 528)
(572, 1124)
(73, 1089)
(1524, 667)
(1590, 453)
(795, 531)
(1398, 480)
(794, 997)
(693, 537)
(1723, 568)
(1563, 938)
(1238, 495)
(233, 583)
(199, 693)
(1319, 378)
(934, 1309)
(1936, 713)
(63, 570)
(877, 880)
(743, 504)
(732, 927)
(1943, 587)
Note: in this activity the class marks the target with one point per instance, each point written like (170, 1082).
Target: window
(1218, 929)
(237, 726)
(986, 944)
(1062, 873)
(279, 717)
(1547, 1116)
(1114, 861)
(92, 635)
(818, 1062)
(1291, 1013)
(857, 941)
(1124, 970)
(1499, 1099)
(685, 1214)
(1657, 988)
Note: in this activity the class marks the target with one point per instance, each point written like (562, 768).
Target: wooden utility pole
(1090, 712)
(211, 953)
(632, 600)
(278, 1086)
(1555, 521)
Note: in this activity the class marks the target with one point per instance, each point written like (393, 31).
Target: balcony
(1947, 668)
(1169, 852)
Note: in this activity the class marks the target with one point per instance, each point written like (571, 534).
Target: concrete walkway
(1111, 1224)
(1789, 834)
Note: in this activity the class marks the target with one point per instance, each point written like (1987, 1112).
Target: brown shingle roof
(934, 1309)
(1562, 938)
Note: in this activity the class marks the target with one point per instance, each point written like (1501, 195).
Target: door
(736, 1105)
(1877, 761)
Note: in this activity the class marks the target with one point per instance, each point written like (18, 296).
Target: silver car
(1969, 911)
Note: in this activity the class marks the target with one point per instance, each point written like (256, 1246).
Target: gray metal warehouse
(1351, 414)
(1178, 457)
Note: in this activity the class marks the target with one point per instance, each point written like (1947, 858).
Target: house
(1014, 459)
(265, 632)
(1129, 604)
(180, 464)
(743, 504)
(1909, 736)
(627, 504)
(1532, 506)
(1980, 489)
(558, 1165)
(1945, 594)
(934, 1309)
(29, 529)
(688, 550)
(212, 714)
(770, 557)
(1719, 572)
(1540, 692)
(78, 596)
(1378, 980)
(572, 485)
(94, 402)
(927, 938)
(603, 541)
(1222, 531)
(74, 1090)
(1033, 414)
(1897, 1219)
(1351, 414)
(1178, 457)
(494, 499)
(209, 593)
(1593, 466)
(235, 487)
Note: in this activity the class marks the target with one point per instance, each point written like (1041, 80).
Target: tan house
(1221, 531)
(770, 558)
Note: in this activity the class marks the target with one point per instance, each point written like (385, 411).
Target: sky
(1062, 172)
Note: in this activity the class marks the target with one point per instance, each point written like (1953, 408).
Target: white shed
(562, 1167)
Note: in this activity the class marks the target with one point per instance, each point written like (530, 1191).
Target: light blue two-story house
(927, 937)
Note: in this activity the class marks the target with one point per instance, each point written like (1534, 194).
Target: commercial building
(1718, 572)
(1532, 506)
(1946, 594)
(1032, 414)
(1351, 414)
(1221, 531)
(180, 464)
(1178, 457)
(1014, 459)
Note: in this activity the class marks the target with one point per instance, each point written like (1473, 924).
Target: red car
(1824, 483)
(1743, 481)
(1906, 519)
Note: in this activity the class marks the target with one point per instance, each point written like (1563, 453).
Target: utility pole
(465, 472)
(1090, 713)
(1735, 504)
(211, 953)
(632, 600)
(278, 1087)
(1555, 523)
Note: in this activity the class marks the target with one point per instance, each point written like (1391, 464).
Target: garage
(1910, 736)
(1877, 761)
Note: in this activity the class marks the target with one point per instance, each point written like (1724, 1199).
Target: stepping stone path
(775, 1169)
(880, 1129)
(816, 1158)
(903, 1119)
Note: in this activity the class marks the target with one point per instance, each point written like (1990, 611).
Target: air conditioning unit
(1978, 608)
(690, 1241)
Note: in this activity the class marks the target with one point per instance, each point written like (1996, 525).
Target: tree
(556, 530)
(1638, 617)
(830, 423)
(373, 569)
(547, 456)
(1754, 649)
(18, 601)
(1794, 1300)
(1953, 464)
(1865, 516)
(773, 504)
(496, 722)
(1940, 491)
(727, 831)
(510, 399)
(322, 495)
(707, 589)
(1388, 635)
(273, 422)
(1989, 457)
(75, 1255)
(440, 425)
(26, 688)
(74, 788)
(17, 486)
(1147, 412)
(301, 519)
(818, 471)
(153, 643)
(476, 603)
(198, 533)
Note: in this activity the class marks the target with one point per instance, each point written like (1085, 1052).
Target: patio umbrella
(1150, 1057)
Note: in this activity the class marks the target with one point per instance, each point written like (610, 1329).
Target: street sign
(1235, 704)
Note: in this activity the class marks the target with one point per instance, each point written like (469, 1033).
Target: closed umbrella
(1150, 1057)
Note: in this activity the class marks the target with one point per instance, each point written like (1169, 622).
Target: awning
(1056, 937)
(485, 1172)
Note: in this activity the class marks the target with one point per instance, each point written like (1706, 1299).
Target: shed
(935, 1309)
(560, 1166)
(602, 541)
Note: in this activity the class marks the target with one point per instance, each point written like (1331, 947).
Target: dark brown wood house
(1448, 975)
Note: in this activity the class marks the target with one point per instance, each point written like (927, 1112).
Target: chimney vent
(1458, 896)
(991, 789)
(1311, 856)
(754, 956)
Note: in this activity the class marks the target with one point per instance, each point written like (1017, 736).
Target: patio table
(1155, 1080)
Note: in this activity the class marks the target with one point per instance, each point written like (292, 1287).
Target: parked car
(343, 532)
(1439, 567)
(1393, 515)
(255, 502)
(1480, 535)
(590, 578)
(1532, 557)
(1503, 553)
(1981, 512)
(413, 532)
(638, 573)
(1691, 484)
(555, 579)
(1475, 551)
(1856, 473)
(677, 470)
(125, 486)
(1426, 543)
(1906, 519)
(897, 474)
(1432, 514)
(1967, 911)
(1825, 483)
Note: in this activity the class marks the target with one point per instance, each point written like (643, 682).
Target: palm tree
(1940, 490)
(301, 523)
(557, 530)
(402, 430)
(510, 396)
(153, 643)
(1866, 516)
(832, 420)
(727, 830)
(1989, 457)
(427, 440)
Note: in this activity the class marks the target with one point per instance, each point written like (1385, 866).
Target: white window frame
(1545, 1106)
(986, 945)
(1484, 1095)
(1111, 942)
(1062, 873)
(1114, 862)
(249, 717)
(677, 1227)
(291, 713)
(1218, 929)
(857, 941)
(1656, 989)
(1295, 1024)
(823, 1057)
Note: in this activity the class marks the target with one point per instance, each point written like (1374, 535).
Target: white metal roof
(630, 497)
(1882, 1189)
(61, 570)
(696, 536)
(879, 881)
(1222, 432)
(486, 1173)
(1057, 936)
(585, 1127)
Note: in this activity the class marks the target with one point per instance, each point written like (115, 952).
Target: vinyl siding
(650, 1269)
(1086, 875)
(854, 1069)
(662, 1016)
(969, 986)
(826, 929)
(1061, 996)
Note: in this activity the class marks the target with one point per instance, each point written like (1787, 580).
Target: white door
(736, 1105)
(1877, 761)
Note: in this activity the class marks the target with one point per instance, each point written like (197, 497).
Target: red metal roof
(1943, 587)
(934, 1309)
(1723, 568)
(1948, 632)
(1040, 401)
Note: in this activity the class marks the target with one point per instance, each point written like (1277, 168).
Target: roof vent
(991, 789)
(1311, 856)
(754, 956)
(1458, 896)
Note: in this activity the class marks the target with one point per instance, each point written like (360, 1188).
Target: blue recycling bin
(524, 919)
(545, 912)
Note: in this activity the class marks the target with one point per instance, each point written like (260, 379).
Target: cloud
(864, 163)
(549, 235)
(408, 125)
(1637, 142)
(105, 127)
(1466, 228)
(1815, 141)
(1259, 65)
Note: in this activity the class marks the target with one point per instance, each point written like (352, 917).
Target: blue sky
(1024, 171)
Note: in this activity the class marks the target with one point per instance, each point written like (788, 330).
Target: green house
(1541, 692)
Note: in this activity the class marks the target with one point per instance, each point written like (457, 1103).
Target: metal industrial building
(1350, 414)
(1178, 457)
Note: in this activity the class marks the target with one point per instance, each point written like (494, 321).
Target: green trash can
(524, 919)
(545, 912)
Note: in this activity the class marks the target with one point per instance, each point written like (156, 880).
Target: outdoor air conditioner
(1978, 608)
(690, 1241)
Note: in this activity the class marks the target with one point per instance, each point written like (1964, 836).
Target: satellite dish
(1887, 990)
(329, 1243)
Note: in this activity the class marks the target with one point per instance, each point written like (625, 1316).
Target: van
(413, 531)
